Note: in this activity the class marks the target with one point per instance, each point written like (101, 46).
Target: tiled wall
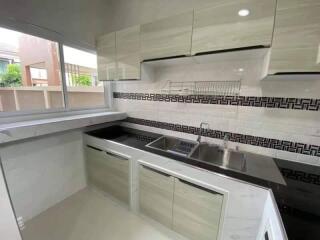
(43, 171)
(289, 113)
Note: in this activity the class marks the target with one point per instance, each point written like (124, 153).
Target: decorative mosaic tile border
(301, 176)
(308, 104)
(294, 147)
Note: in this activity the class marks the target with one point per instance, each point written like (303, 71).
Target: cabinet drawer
(197, 207)
(156, 195)
(108, 172)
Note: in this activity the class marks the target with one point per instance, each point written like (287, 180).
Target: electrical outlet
(21, 223)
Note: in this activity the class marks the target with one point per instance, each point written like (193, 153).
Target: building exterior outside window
(31, 78)
(81, 79)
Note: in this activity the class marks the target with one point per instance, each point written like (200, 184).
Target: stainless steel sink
(207, 153)
(215, 155)
(174, 145)
(234, 160)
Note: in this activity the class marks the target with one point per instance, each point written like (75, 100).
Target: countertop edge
(34, 128)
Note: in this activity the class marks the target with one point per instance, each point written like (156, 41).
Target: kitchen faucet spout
(201, 130)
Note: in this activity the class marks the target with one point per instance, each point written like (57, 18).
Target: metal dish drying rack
(220, 88)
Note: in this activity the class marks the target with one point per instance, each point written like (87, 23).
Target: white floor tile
(88, 215)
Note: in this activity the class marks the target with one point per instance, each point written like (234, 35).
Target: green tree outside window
(81, 80)
(12, 76)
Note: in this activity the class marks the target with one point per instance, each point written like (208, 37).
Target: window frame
(47, 34)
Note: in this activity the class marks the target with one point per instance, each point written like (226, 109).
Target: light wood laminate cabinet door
(196, 211)
(296, 40)
(167, 37)
(156, 195)
(108, 172)
(128, 53)
(106, 51)
(219, 26)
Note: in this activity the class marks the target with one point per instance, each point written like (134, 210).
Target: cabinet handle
(108, 153)
(318, 55)
(156, 171)
(94, 148)
(232, 50)
(116, 156)
(199, 187)
(164, 58)
(127, 79)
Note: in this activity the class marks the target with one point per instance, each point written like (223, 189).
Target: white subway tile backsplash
(273, 123)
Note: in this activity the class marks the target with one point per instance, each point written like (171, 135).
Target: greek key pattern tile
(308, 104)
(294, 147)
(301, 176)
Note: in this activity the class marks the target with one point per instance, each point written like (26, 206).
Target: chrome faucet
(201, 128)
(225, 141)
(226, 153)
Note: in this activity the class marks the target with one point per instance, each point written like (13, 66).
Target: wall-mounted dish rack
(221, 88)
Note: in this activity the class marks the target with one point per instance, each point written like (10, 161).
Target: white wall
(8, 225)
(79, 21)
(44, 171)
(283, 124)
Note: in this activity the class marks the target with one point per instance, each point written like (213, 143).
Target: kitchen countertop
(297, 200)
(256, 171)
(33, 128)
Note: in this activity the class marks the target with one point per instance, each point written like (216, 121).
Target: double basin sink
(204, 152)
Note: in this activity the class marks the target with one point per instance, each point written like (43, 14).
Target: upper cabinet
(167, 37)
(231, 24)
(119, 55)
(106, 51)
(295, 46)
(290, 27)
(128, 53)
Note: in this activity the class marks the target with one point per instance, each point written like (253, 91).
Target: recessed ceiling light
(243, 12)
(240, 69)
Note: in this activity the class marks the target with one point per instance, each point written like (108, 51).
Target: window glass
(30, 77)
(84, 89)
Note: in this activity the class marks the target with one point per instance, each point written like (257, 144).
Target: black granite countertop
(298, 200)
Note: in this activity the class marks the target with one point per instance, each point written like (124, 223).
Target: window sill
(33, 128)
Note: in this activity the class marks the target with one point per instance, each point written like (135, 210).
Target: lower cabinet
(188, 209)
(156, 195)
(108, 172)
(196, 211)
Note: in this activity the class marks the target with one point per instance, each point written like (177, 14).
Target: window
(21, 87)
(84, 89)
(31, 77)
